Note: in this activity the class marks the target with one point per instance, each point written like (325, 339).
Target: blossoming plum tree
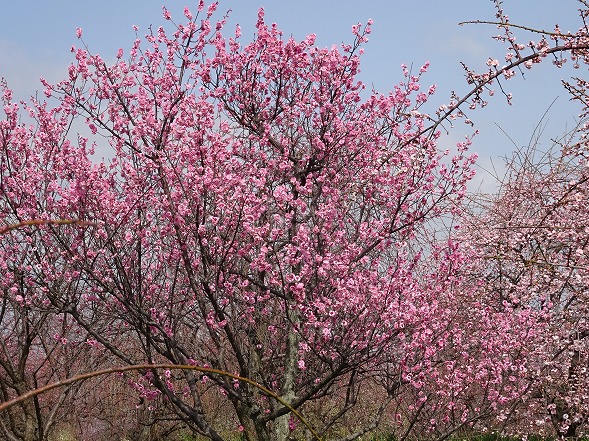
(261, 213)
(254, 217)
(533, 239)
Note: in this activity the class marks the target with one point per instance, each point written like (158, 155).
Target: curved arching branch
(35, 222)
(138, 367)
(493, 76)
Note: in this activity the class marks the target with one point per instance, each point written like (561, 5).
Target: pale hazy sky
(36, 35)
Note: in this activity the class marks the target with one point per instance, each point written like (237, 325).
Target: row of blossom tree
(263, 214)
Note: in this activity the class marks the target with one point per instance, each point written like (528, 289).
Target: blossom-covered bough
(260, 214)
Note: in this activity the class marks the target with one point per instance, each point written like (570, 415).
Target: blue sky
(36, 35)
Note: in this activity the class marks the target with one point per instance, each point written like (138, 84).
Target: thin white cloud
(466, 48)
